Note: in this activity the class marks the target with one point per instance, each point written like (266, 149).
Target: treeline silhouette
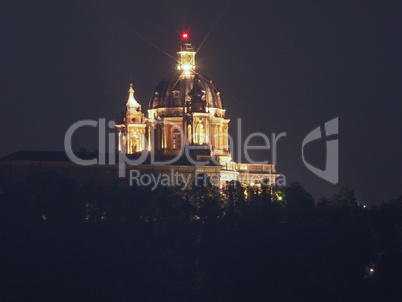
(65, 242)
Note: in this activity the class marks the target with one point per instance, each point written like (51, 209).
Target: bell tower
(131, 132)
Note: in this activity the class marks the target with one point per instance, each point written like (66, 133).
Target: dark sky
(282, 66)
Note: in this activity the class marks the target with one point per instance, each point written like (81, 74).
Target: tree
(344, 198)
(234, 195)
(296, 196)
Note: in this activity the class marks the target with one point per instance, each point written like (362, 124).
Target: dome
(173, 92)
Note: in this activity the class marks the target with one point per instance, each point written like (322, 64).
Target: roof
(164, 96)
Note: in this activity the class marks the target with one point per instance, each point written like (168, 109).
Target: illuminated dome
(173, 91)
(185, 127)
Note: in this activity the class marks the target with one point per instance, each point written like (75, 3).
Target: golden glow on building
(186, 60)
(131, 102)
(131, 133)
(186, 109)
(186, 57)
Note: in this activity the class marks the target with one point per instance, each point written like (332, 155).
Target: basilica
(182, 136)
(186, 110)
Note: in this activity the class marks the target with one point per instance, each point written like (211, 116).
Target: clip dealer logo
(331, 171)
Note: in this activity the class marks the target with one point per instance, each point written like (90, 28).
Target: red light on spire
(185, 36)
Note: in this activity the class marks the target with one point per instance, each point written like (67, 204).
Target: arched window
(189, 134)
(176, 139)
(200, 136)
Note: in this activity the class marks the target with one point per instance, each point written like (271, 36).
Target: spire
(131, 102)
(186, 55)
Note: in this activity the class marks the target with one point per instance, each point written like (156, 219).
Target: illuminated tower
(186, 56)
(186, 108)
(131, 132)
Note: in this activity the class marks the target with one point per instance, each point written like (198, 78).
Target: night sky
(282, 66)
